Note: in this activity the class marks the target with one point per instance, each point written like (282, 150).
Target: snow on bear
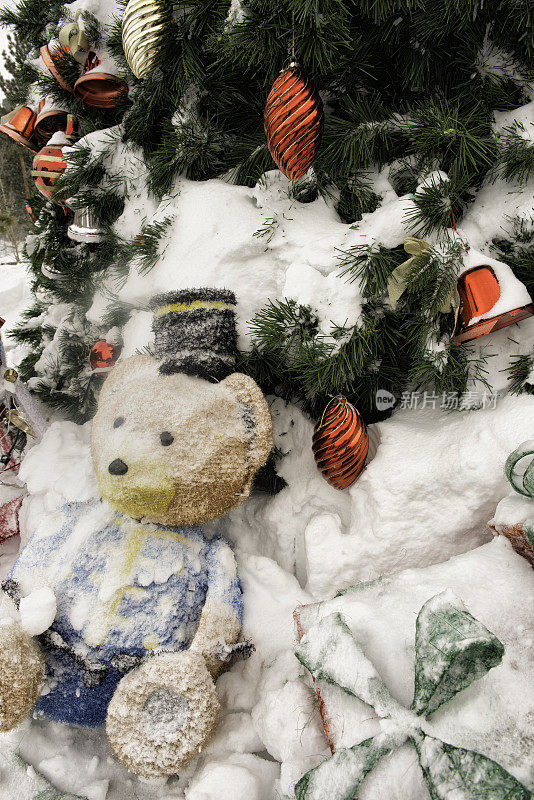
(145, 605)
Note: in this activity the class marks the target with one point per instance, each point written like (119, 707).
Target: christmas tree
(420, 100)
(333, 197)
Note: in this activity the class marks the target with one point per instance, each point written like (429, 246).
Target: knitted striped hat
(195, 332)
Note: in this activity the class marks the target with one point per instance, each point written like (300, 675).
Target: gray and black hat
(195, 332)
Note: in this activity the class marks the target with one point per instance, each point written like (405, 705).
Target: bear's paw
(162, 714)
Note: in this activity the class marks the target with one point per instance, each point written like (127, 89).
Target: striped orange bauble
(293, 122)
(340, 443)
(47, 165)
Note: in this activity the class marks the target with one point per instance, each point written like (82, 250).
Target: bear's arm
(220, 621)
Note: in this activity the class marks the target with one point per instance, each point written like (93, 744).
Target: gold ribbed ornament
(11, 375)
(143, 25)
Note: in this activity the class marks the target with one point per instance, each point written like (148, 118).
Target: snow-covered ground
(432, 484)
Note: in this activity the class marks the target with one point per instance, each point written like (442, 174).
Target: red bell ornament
(103, 355)
(293, 122)
(20, 126)
(48, 164)
(49, 120)
(98, 87)
(483, 308)
(340, 443)
(53, 55)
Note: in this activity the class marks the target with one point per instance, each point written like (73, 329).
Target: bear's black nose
(118, 467)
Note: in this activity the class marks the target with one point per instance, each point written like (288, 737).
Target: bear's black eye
(118, 422)
(166, 438)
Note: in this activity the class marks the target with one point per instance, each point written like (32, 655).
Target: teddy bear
(127, 608)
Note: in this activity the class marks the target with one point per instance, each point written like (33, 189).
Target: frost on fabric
(196, 477)
(124, 589)
(453, 773)
(452, 649)
(330, 652)
(21, 673)
(162, 713)
(339, 777)
(491, 713)
(468, 651)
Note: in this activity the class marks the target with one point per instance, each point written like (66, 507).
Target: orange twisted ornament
(293, 122)
(340, 443)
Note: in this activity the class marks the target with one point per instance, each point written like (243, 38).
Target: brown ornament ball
(103, 355)
(293, 122)
(340, 443)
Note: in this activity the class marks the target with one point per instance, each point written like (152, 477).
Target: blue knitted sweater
(124, 589)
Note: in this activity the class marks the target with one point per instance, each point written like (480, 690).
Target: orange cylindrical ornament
(293, 122)
(340, 443)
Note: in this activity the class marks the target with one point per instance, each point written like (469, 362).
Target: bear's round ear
(248, 394)
(124, 371)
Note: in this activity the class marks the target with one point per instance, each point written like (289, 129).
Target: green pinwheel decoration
(519, 472)
(452, 649)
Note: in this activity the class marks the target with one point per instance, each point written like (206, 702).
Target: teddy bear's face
(176, 449)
